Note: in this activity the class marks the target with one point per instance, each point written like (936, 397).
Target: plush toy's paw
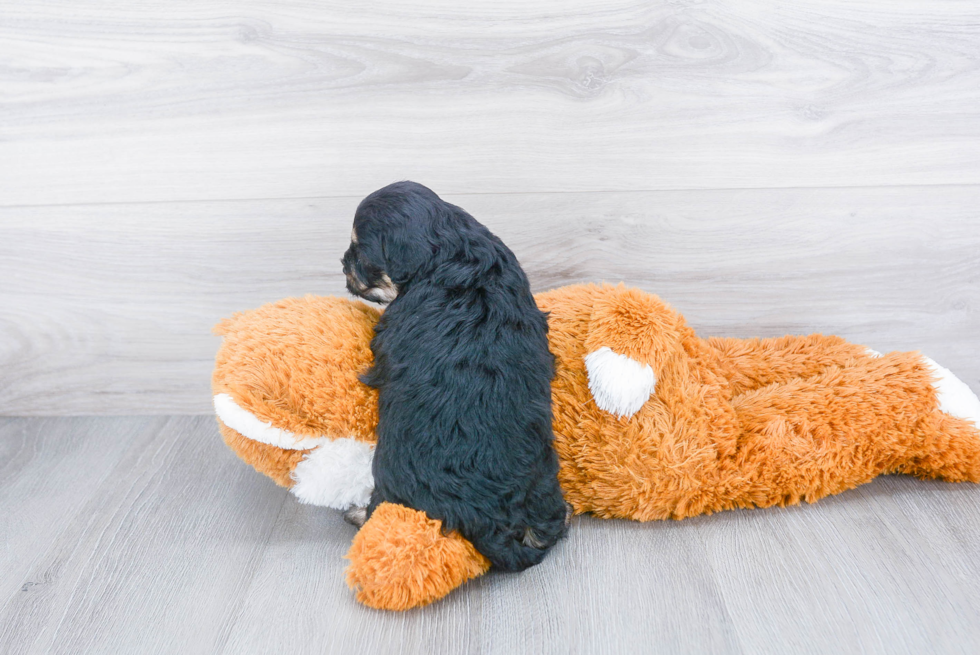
(335, 474)
(619, 384)
(400, 559)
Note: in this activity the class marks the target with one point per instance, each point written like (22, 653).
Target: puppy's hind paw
(531, 540)
(620, 385)
(356, 516)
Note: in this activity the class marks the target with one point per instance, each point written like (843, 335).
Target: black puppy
(462, 366)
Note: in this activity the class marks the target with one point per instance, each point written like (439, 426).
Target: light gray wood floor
(147, 535)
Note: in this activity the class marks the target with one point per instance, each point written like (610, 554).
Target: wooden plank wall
(812, 166)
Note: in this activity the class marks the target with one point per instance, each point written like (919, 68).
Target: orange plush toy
(650, 422)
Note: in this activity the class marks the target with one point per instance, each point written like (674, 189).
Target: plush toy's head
(289, 400)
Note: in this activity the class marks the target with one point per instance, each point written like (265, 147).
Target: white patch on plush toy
(955, 397)
(619, 385)
(337, 475)
(248, 425)
(872, 352)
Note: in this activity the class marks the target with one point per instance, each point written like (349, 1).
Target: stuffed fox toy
(650, 421)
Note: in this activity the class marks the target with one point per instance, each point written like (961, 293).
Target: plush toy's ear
(400, 559)
(631, 335)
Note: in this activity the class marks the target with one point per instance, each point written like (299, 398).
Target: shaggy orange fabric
(736, 423)
(400, 559)
(277, 463)
(731, 423)
(294, 363)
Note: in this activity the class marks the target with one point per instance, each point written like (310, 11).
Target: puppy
(463, 370)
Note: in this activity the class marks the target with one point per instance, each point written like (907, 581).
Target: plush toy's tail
(811, 438)
(951, 436)
(954, 396)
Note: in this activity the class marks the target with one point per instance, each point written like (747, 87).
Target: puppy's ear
(406, 249)
(403, 227)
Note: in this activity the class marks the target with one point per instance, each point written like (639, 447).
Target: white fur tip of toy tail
(619, 385)
(337, 475)
(252, 427)
(955, 397)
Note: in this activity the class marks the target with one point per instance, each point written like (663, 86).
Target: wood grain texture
(155, 559)
(298, 601)
(107, 309)
(109, 102)
(49, 469)
(155, 539)
(882, 567)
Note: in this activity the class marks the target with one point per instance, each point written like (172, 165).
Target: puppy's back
(464, 373)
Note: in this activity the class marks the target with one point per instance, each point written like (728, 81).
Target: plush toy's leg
(809, 438)
(754, 363)
(634, 324)
(401, 559)
(631, 335)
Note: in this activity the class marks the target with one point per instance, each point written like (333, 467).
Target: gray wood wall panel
(107, 309)
(161, 541)
(115, 102)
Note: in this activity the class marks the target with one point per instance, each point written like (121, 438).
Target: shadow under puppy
(463, 371)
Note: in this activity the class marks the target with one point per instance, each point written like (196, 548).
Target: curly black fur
(462, 366)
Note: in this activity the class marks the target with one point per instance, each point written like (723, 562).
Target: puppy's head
(399, 231)
(365, 278)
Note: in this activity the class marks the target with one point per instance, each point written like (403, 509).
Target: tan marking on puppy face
(384, 292)
(353, 235)
(355, 282)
